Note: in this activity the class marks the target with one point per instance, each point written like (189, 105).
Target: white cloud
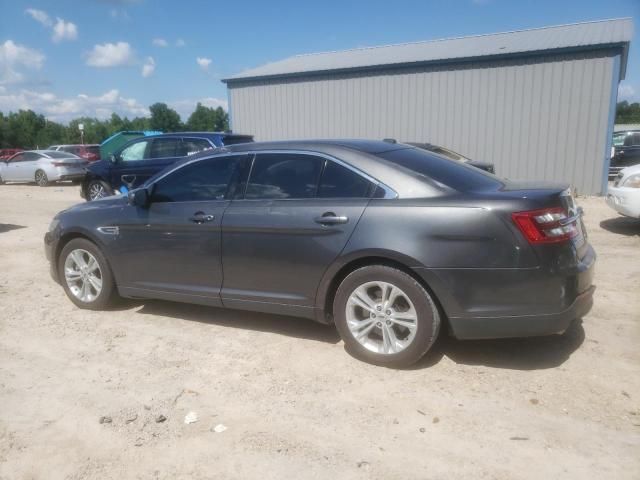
(111, 55)
(61, 29)
(64, 31)
(160, 42)
(14, 57)
(39, 16)
(149, 67)
(204, 63)
(187, 106)
(65, 109)
(626, 92)
(180, 43)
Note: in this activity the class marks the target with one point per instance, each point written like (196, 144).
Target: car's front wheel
(97, 189)
(85, 275)
(385, 316)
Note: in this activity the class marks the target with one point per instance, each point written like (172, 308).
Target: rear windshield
(453, 174)
(93, 149)
(60, 155)
(235, 139)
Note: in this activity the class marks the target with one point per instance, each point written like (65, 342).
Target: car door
(171, 249)
(25, 168)
(11, 171)
(297, 213)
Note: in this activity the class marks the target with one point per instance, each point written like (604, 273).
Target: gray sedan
(42, 167)
(386, 241)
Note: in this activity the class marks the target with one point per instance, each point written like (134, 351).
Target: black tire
(41, 178)
(108, 294)
(1, 180)
(428, 316)
(97, 184)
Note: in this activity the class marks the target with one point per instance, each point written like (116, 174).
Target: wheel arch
(66, 237)
(337, 272)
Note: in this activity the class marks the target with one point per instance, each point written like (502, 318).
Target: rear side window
(340, 182)
(284, 175)
(164, 147)
(434, 168)
(193, 145)
(201, 181)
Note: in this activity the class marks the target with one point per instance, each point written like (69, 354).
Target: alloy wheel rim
(83, 275)
(381, 317)
(96, 191)
(40, 178)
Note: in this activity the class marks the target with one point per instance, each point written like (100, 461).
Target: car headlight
(633, 181)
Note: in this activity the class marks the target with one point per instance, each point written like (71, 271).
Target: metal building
(539, 104)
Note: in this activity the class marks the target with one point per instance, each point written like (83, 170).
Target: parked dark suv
(389, 242)
(625, 151)
(138, 160)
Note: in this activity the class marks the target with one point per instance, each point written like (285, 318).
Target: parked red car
(5, 153)
(88, 152)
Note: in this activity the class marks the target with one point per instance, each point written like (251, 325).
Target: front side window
(201, 181)
(340, 182)
(284, 175)
(18, 158)
(135, 152)
(164, 147)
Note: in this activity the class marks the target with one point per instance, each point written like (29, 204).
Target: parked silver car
(42, 167)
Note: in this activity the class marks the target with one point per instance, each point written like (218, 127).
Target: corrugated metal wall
(543, 117)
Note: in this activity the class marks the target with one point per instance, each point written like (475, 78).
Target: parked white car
(624, 195)
(42, 167)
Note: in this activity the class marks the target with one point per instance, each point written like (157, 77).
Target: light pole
(81, 128)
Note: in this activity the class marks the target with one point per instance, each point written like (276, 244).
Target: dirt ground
(294, 403)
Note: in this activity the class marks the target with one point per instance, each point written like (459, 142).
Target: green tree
(164, 118)
(627, 113)
(204, 119)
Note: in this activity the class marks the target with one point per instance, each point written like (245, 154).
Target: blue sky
(68, 58)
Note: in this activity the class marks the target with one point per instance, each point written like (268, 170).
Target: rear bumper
(624, 200)
(523, 325)
(502, 303)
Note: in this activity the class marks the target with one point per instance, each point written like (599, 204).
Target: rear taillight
(549, 225)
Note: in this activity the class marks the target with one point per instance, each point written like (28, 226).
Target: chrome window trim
(389, 192)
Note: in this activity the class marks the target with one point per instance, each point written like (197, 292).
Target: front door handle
(201, 217)
(330, 218)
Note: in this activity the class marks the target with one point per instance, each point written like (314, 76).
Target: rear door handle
(330, 218)
(201, 217)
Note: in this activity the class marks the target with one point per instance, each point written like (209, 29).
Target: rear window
(453, 174)
(93, 149)
(58, 154)
(235, 139)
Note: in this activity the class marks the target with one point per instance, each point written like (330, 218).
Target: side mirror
(113, 158)
(139, 198)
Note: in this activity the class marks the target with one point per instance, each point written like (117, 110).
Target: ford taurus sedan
(42, 167)
(389, 242)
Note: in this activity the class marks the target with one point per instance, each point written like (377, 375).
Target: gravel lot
(294, 403)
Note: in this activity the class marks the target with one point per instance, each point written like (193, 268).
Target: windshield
(450, 173)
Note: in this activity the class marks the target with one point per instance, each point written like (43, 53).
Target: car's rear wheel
(385, 316)
(98, 189)
(85, 275)
(41, 178)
